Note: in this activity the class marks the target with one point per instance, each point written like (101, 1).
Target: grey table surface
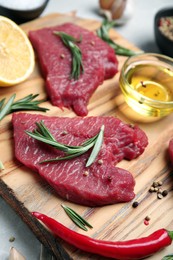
(138, 30)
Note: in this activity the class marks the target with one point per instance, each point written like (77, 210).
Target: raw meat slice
(170, 149)
(98, 184)
(99, 62)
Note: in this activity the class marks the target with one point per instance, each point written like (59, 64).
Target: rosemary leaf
(70, 43)
(42, 134)
(103, 33)
(26, 103)
(68, 157)
(96, 148)
(76, 218)
(89, 141)
(27, 98)
(44, 131)
(168, 257)
(46, 140)
(2, 103)
(5, 110)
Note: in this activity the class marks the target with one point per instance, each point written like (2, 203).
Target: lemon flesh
(16, 54)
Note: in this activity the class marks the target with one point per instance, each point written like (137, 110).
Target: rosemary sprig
(26, 103)
(70, 43)
(168, 257)
(76, 218)
(103, 33)
(42, 133)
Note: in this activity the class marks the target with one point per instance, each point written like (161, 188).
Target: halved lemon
(16, 54)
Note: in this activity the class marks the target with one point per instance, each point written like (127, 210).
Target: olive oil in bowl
(146, 81)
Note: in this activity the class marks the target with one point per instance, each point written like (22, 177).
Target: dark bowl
(165, 44)
(21, 16)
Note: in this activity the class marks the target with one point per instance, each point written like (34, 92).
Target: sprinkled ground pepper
(146, 222)
(160, 183)
(165, 193)
(156, 187)
(11, 239)
(86, 173)
(135, 204)
(148, 218)
(151, 189)
(100, 161)
(159, 196)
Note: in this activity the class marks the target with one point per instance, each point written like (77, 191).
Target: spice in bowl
(146, 82)
(166, 26)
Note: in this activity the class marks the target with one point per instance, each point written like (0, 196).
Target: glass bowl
(146, 81)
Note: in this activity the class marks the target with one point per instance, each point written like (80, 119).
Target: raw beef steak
(55, 58)
(98, 184)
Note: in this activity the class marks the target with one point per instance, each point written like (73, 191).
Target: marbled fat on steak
(99, 63)
(104, 183)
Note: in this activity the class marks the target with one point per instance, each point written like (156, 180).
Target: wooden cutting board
(25, 191)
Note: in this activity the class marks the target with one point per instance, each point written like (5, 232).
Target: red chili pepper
(131, 249)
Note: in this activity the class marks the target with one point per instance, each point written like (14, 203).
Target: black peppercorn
(135, 204)
(165, 193)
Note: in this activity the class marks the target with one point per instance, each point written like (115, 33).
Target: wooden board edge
(45, 237)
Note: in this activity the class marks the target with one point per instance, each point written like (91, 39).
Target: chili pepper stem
(170, 233)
